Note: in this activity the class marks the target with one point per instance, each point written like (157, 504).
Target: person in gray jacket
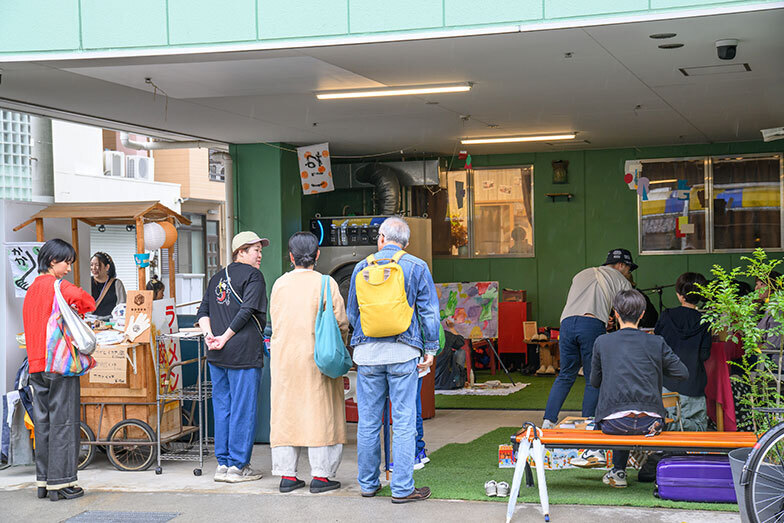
(628, 368)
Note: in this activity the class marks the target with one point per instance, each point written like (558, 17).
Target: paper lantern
(171, 234)
(154, 236)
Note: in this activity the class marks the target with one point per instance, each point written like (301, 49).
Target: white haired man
(388, 366)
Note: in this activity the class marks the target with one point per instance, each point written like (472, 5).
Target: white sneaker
(220, 474)
(547, 424)
(590, 459)
(615, 478)
(235, 475)
(502, 489)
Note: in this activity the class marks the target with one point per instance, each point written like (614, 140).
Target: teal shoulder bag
(332, 357)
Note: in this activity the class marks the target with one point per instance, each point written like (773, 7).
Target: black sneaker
(317, 486)
(287, 485)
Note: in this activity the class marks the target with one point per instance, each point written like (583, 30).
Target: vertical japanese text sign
(23, 257)
(164, 321)
(315, 168)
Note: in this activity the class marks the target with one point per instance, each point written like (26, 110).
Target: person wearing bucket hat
(584, 318)
(232, 316)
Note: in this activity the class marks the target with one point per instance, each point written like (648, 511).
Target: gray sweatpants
(694, 413)
(324, 461)
(56, 418)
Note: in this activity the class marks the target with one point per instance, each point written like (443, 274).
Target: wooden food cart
(119, 400)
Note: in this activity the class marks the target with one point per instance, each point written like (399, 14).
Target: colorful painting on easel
(469, 309)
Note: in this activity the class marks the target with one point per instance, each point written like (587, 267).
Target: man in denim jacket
(388, 366)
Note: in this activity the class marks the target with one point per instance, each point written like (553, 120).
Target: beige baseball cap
(245, 238)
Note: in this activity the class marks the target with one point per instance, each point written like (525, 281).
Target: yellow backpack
(381, 295)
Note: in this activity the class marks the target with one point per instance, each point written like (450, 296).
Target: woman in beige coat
(307, 407)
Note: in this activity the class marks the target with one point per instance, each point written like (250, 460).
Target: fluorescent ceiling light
(514, 139)
(368, 93)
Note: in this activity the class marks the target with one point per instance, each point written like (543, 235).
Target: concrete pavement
(193, 498)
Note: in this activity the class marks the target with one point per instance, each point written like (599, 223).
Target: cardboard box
(506, 456)
(512, 295)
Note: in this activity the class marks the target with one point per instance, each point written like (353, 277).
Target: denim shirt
(421, 294)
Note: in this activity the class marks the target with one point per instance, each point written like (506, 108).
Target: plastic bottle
(344, 234)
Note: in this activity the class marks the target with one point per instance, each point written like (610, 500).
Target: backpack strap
(372, 260)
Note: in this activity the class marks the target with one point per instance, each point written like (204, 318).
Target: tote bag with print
(332, 357)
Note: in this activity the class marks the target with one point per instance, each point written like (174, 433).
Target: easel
(498, 358)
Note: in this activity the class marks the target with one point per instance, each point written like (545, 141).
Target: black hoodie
(690, 341)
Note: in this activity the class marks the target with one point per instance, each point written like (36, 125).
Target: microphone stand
(658, 290)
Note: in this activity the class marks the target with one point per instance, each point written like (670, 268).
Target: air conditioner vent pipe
(156, 145)
(386, 196)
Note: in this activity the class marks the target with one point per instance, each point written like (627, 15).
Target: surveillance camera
(726, 49)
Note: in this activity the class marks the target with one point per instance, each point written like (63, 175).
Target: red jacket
(36, 311)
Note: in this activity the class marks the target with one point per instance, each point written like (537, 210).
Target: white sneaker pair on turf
(590, 459)
(233, 474)
(500, 489)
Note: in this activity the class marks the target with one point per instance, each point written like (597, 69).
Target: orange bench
(682, 441)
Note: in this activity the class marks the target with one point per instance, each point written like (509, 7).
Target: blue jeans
(577, 335)
(420, 428)
(234, 393)
(627, 427)
(374, 384)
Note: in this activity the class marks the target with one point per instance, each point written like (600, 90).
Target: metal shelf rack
(198, 394)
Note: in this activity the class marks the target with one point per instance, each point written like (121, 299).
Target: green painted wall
(268, 197)
(33, 26)
(572, 235)
(568, 235)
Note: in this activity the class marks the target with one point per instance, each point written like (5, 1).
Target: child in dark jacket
(690, 340)
(628, 367)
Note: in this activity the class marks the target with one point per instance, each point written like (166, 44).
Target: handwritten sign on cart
(315, 168)
(164, 321)
(23, 257)
(111, 364)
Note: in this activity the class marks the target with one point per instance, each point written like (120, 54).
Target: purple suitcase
(705, 478)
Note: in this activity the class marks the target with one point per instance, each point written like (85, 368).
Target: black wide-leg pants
(56, 418)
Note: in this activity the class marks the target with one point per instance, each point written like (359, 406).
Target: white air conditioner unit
(768, 135)
(140, 168)
(114, 163)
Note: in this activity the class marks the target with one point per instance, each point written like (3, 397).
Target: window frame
(470, 182)
(708, 162)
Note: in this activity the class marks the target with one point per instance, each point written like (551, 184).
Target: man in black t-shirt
(232, 315)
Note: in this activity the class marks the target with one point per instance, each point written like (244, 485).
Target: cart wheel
(197, 472)
(132, 445)
(158, 471)
(86, 451)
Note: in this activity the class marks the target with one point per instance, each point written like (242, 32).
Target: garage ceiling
(611, 84)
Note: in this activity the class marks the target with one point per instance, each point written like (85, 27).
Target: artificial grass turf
(532, 397)
(460, 470)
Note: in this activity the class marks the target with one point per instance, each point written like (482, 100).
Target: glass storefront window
(484, 213)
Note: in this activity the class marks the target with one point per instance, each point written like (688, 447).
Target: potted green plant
(756, 322)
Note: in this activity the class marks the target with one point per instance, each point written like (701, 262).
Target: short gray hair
(395, 230)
